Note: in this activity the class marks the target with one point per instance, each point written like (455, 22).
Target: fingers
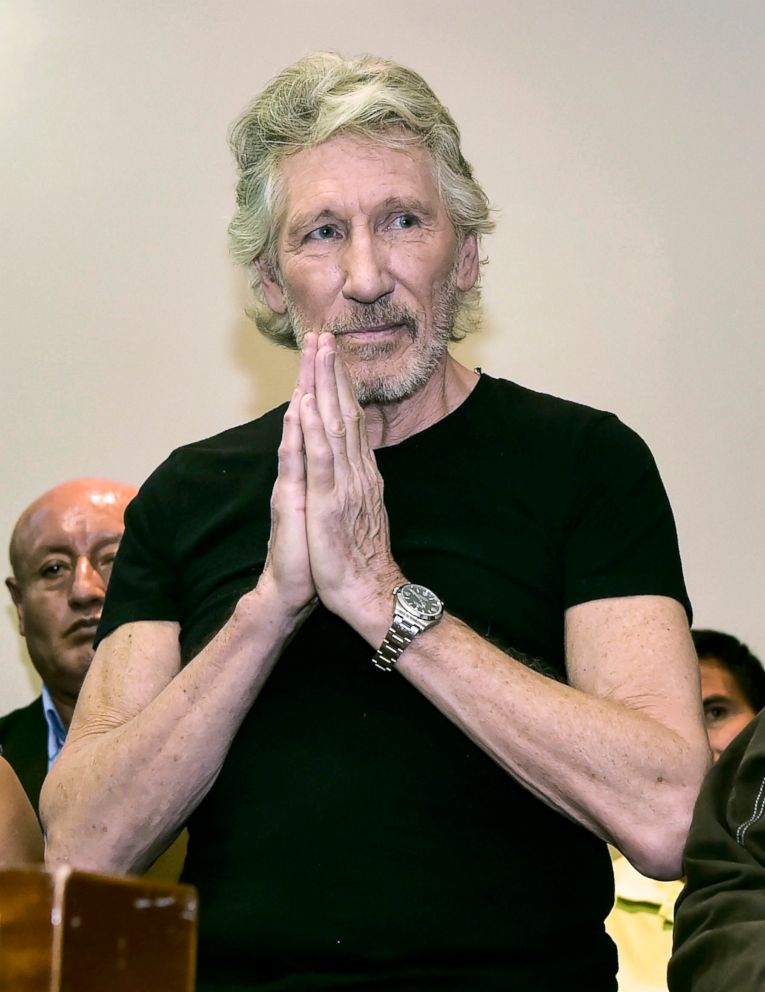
(319, 456)
(328, 400)
(331, 419)
(322, 420)
(339, 409)
(353, 415)
(291, 462)
(316, 454)
(287, 563)
(306, 373)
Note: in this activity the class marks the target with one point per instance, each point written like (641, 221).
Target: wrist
(268, 604)
(367, 606)
(415, 610)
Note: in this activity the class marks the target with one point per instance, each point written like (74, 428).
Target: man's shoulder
(248, 449)
(539, 419)
(24, 719)
(543, 406)
(261, 435)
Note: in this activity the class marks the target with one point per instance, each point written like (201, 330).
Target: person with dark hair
(720, 917)
(296, 652)
(732, 686)
(732, 692)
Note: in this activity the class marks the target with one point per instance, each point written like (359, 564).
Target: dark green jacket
(24, 740)
(719, 938)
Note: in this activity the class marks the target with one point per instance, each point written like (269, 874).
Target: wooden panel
(70, 931)
(26, 930)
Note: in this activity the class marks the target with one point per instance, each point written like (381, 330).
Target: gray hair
(311, 101)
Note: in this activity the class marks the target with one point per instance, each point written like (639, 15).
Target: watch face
(421, 601)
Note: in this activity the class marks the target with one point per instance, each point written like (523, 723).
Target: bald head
(82, 497)
(61, 552)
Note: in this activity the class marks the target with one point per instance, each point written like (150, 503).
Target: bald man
(61, 552)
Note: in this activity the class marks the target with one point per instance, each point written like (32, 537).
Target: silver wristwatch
(415, 608)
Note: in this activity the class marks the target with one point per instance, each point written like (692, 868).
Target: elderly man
(311, 670)
(61, 552)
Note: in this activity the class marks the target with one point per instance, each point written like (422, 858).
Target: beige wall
(621, 142)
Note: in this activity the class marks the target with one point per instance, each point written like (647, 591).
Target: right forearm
(148, 740)
(118, 793)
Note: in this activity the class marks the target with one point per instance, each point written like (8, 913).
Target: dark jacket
(719, 937)
(24, 740)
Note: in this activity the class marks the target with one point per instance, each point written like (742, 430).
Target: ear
(15, 591)
(467, 263)
(272, 290)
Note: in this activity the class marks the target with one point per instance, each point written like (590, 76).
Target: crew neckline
(464, 409)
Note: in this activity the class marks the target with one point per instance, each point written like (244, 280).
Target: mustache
(376, 314)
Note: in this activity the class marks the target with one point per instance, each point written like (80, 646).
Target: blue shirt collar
(56, 728)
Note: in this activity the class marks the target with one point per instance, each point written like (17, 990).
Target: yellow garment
(168, 866)
(640, 924)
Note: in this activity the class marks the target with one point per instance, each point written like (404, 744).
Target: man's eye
(405, 222)
(52, 570)
(715, 713)
(324, 233)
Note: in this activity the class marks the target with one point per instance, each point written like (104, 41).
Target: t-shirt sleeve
(620, 535)
(143, 584)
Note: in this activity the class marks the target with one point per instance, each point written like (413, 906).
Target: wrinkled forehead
(395, 165)
(60, 522)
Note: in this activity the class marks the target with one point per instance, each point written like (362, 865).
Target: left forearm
(617, 770)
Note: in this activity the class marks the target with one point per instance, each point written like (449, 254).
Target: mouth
(84, 627)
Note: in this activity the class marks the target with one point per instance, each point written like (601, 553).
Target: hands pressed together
(329, 527)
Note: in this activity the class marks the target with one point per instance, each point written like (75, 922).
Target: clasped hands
(329, 527)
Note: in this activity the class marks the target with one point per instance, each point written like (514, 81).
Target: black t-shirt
(355, 837)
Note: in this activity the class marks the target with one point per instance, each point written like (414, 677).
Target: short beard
(423, 358)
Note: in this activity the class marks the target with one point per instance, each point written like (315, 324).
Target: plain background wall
(622, 144)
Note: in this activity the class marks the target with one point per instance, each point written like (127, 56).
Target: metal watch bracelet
(400, 635)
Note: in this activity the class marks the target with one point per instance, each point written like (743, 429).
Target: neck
(448, 387)
(64, 706)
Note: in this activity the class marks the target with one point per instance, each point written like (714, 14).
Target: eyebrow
(410, 203)
(66, 549)
(716, 700)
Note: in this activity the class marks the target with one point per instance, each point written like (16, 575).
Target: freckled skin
(726, 709)
(62, 550)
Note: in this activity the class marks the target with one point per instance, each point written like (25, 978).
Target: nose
(366, 277)
(716, 746)
(88, 587)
